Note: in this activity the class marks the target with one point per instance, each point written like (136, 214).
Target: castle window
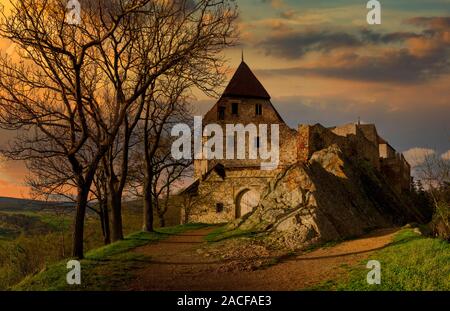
(222, 113)
(258, 109)
(235, 109)
(219, 208)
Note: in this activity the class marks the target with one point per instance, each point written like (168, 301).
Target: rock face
(327, 198)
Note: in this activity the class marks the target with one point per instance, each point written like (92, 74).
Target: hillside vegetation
(33, 238)
(411, 263)
(104, 269)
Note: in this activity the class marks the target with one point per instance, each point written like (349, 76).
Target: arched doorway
(246, 201)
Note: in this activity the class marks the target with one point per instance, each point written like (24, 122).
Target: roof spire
(242, 54)
(245, 84)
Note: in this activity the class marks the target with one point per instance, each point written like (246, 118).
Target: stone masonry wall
(216, 190)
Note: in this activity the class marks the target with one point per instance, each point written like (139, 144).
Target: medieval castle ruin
(226, 190)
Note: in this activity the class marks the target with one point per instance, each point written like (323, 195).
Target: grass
(104, 269)
(411, 263)
(31, 240)
(223, 233)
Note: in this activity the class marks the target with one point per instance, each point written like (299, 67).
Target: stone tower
(245, 101)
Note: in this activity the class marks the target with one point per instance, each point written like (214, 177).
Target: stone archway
(246, 201)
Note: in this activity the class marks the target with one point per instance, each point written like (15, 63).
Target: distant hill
(15, 204)
(134, 207)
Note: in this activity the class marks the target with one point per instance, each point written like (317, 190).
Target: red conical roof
(245, 84)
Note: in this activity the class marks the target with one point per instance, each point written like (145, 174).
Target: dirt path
(176, 265)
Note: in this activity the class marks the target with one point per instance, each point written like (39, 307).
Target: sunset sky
(322, 63)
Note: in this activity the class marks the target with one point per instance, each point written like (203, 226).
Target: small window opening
(219, 207)
(235, 109)
(259, 109)
(222, 113)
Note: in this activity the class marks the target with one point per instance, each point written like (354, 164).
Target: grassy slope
(31, 240)
(411, 263)
(106, 268)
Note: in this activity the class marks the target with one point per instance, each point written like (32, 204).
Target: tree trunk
(115, 200)
(107, 235)
(148, 208)
(78, 235)
(102, 218)
(162, 221)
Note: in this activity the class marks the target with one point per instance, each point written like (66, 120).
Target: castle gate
(246, 200)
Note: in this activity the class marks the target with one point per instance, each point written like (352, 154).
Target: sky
(322, 63)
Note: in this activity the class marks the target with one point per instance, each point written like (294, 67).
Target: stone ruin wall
(358, 142)
(295, 146)
(349, 139)
(397, 171)
(214, 190)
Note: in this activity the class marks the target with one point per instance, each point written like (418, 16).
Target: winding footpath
(175, 265)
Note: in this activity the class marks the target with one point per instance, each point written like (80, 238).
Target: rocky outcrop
(327, 198)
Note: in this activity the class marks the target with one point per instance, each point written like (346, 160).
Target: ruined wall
(217, 190)
(303, 143)
(386, 151)
(363, 140)
(398, 172)
(345, 130)
(328, 198)
(348, 138)
(295, 147)
(288, 146)
(370, 132)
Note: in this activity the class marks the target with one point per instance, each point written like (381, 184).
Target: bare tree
(51, 179)
(178, 39)
(58, 94)
(187, 36)
(169, 176)
(434, 174)
(53, 95)
(100, 193)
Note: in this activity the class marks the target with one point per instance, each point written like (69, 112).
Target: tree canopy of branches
(74, 87)
(434, 174)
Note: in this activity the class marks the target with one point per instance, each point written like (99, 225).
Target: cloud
(417, 156)
(276, 4)
(397, 66)
(297, 44)
(430, 22)
(401, 57)
(289, 14)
